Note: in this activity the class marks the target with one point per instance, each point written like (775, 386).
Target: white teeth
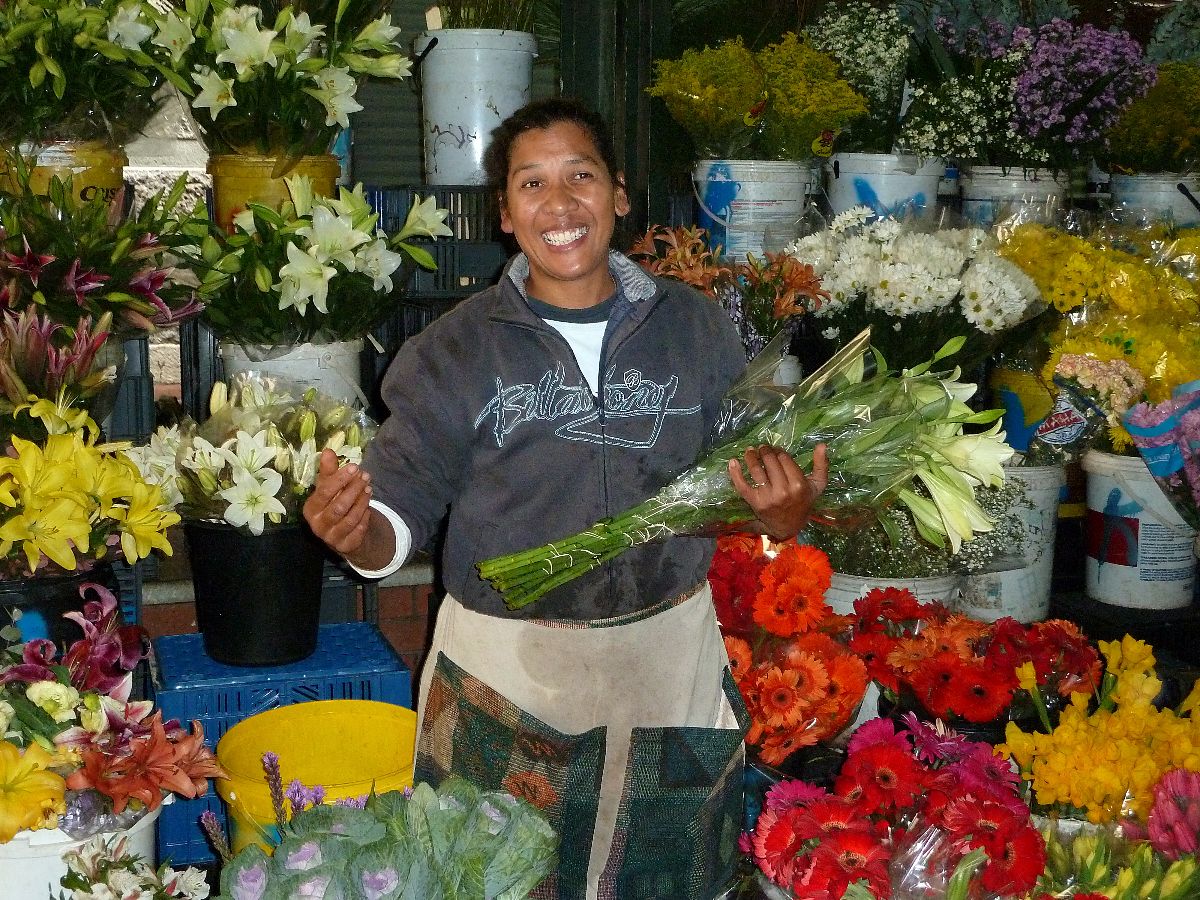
(560, 238)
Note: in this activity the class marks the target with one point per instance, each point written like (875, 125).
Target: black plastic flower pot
(258, 597)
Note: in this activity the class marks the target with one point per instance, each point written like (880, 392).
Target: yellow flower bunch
(1115, 305)
(31, 795)
(808, 97)
(68, 500)
(712, 94)
(1105, 761)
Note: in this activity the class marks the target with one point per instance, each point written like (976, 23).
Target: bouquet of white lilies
(884, 434)
(315, 269)
(915, 287)
(254, 460)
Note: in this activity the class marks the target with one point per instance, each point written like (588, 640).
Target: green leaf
(420, 255)
(37, 73)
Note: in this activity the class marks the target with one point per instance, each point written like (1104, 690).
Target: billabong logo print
(635, 408)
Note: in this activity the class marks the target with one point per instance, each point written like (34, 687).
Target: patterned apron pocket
(681, 812)
(471, 730)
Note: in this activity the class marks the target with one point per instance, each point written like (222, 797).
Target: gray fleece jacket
(492, 421)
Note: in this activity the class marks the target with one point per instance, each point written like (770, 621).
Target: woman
(570, 391)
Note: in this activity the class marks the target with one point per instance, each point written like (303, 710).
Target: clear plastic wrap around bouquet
(1167, 435)
(891, 437)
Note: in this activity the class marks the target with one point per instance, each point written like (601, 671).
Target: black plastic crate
(474, 211)
(132, 417)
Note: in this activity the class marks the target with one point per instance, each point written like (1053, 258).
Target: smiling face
(561, 204)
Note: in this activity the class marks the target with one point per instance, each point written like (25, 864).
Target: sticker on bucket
(740, 199)
(1139, 552)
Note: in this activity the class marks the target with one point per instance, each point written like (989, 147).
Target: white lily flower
(393, 65)
(305, 462)
(248, 47)
(174, 34)
(249, 452)
(379, 262)
(302, 278)
(378, 31)
(332, 238)
(335, 91)
(960, 514)
(252, 498)
(232, 17)
(425, 219)
(299, 35)
(301, 191)
(216, 93)
(353, 203)
(204, 457)
(981, 456)
(128, 28)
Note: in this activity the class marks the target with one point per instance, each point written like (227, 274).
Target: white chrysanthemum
(817, 250)
(854, 217)
(936, 254)
(996, 294)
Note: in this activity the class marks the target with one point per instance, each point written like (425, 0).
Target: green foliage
(514, 15)
(1177, 34)
(453, 843)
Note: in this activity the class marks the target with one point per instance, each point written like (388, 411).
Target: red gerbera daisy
(978, 694)
(873, 649)
(776, 843)
(880, 777)
(933, 682)
(1015, 869)
(845, 857)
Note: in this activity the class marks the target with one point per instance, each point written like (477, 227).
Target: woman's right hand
(338, 509)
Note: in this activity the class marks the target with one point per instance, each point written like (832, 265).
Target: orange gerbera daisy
(741, 659)
(956, 635)
(847, 680)
(812, 677)
(792, 598)
(777, 747)
(781, 697)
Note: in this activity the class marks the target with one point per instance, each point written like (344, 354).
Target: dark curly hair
(544, 114)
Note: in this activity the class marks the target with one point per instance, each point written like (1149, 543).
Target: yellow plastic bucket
(96, 169)
(346, 746)
(238, 180)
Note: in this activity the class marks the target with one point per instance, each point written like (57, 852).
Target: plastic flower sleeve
(1167, 436)
(883, 435)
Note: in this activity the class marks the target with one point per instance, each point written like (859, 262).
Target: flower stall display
(239, 480)
(915, 811)
(1158, 132)
(308, 278)
(871, 45)
(108, 867)
(78, 753)
(763, 296)
(883, 433)
(966, 672)
(915, 287)
(73, 70)
(279, 78)
(453, 841)
(801, 684)
(1102, 759)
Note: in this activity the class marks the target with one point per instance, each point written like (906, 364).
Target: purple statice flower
(1075, 83)
(353, 802)
(380, 883)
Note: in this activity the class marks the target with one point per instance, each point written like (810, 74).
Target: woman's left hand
(778, 491)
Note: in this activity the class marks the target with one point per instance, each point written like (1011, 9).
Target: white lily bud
(218, 399)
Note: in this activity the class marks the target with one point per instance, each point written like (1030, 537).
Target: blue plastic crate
(353, 661)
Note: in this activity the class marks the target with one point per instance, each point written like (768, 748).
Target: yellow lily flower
(57, 529)
(29, 792)
(144, 522)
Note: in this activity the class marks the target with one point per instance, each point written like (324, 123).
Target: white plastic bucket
(845, 589)
(333, 368)
(890, 184)
(1139, 551)
(991, 192)
(740, 199)
(32, 865)
(1022, 592)
(471, 81)
(1158, 193)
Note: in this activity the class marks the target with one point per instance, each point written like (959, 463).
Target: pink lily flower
(80, 283)
(31, 263)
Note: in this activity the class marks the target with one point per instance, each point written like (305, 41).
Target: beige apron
(626, 732)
